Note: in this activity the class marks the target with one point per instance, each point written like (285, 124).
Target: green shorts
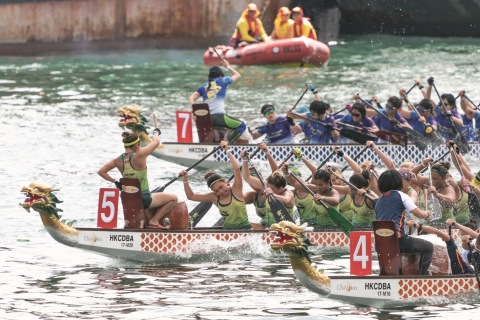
(147, 199)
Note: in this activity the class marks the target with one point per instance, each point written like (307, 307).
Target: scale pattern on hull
(415, 288)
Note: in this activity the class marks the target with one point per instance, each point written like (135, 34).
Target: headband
(211, 184)
(128, 144)
(439, 172)
(406, 174)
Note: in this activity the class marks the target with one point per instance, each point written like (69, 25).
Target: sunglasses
(356, 115)
(389, 107)
(422, 110)
(269, 112)
(315, 114)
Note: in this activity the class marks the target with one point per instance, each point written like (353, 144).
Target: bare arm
(273, 164)
(429, 230)
(200, 197)
(193, 97)
(385, 159)
(422, 214)
(287, 198)
(237, 174)
(296, 129)
(309, 165)
(342, 189)
(353, 165)
(103, 171)
(333, 199)
(256, 134)
(462, 228)
(466, 106)
(149, 148)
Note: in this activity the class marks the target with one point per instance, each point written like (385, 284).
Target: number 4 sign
(360, 253)
(107, 208)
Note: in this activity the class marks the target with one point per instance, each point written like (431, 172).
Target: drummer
(229, 200)
(133, 164)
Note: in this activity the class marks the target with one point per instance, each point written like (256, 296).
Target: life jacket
(298, 29)
(253, 29)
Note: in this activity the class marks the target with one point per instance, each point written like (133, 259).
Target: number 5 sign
(360, 253)
(107, 208)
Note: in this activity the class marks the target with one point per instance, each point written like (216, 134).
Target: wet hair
(277, 179)
(441, 168)
(395, 102)
(360, 108)
(214, 72)
(129, 137)
(360, 180)
(365, 165)
(319, 107)
(425, 104)
(408, 164)
(212, 178)
(322, 175)
(266, 107)
(336, 169)
(390, 180)
(450, 99)
(472, 224)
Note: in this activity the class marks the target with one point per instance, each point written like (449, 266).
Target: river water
(59, 126)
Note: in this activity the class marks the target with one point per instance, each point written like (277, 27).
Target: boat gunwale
(376, 276)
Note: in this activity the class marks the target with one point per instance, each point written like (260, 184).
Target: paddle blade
(416, 138)
(435, 208)
(279, 211)
(461, 142)
(432, 135)
(356, 136)
(474, 206)
(199, 212)
(393, 138)
(342, 222)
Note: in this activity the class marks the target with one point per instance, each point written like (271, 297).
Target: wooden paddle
(475, 107)
(417, 139)
(343, 224)
(160, 189)
(443, 156)
(279, 211)
(428, 129)
(411, 88)
(218, 54)
(459, 137)
(373, 200)
(434, 204)
(355, 158)
(199, 212)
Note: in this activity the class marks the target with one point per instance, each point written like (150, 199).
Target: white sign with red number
(360, 253)
(184, 126)
(107, 208)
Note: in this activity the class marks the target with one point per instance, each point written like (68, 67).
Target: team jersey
(458, 264)
(319, 133)
(444, 125)
(215, 95)
(477, 124)
(307, 130)
(279, 132)
(392, 205)
(366, 121)
(467, 129)
(384, 124)
(417, 125)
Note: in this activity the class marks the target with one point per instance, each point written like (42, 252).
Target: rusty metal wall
(87, 20)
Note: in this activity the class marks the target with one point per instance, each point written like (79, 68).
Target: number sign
(360, 253)
(108, 208)
(184, 126)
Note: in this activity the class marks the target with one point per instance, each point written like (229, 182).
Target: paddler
(214, 92)
(249, 28)
(229, 200)
(302, 25)
(392, 205)
(283, 25)
(470, 112)
(277, 129)
(391, 107)
(133, 164)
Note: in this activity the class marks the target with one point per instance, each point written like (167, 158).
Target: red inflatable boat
(293, 52)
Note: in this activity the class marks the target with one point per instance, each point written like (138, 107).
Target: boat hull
(381, 291)
(188, 153)
(290, 52)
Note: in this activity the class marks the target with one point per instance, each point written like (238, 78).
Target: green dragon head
(131, 118)
(290, 239)
(40, 198)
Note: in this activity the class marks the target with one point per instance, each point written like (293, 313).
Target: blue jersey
(215, 95)
(477, 125)
(392, 205)
(319, 133)
(467, 129)
(444, 125)
(307, 130)
(366, 122)
(339, 116)
(384, 124)
(459, 266)
(279, 132)
(417, 125)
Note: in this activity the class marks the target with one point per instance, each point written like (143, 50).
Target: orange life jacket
(298, 32)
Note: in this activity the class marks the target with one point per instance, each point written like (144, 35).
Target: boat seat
(133, 211)
(386, 245)
(204, 122)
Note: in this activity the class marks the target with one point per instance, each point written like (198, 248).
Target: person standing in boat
(277, 129)
(214, 92)
(249, 28)
(133, 164)
(302, 25)
(229, 200)
(392, 205)
(283, 25)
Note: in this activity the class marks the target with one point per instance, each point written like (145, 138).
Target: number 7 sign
(184, 126)
(360, 253)
(107, 208)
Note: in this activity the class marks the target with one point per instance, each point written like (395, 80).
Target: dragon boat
(188, 153)
(296, 52)
(179, 243)
(396, 284)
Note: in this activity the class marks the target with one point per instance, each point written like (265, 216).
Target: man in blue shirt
(277, 129)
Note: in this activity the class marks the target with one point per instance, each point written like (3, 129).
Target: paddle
(428, 129)
(199, 212)
(459, 138)
(433, 204)
(475, 107)
(443, 156)
(414, 136)
(411, 88)
(323, 163)
(355, 158)
(160, 189)
(218, 54)
(253, 155)
(341, 110)
(474, 262)
(337, 218)
(374, 201)
(279, 211)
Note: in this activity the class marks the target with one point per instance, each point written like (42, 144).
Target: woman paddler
(229, 200)
(276, 186)
(133, 164)
(213, 92)
(392, 205)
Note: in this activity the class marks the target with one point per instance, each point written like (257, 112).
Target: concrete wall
(90, 20)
